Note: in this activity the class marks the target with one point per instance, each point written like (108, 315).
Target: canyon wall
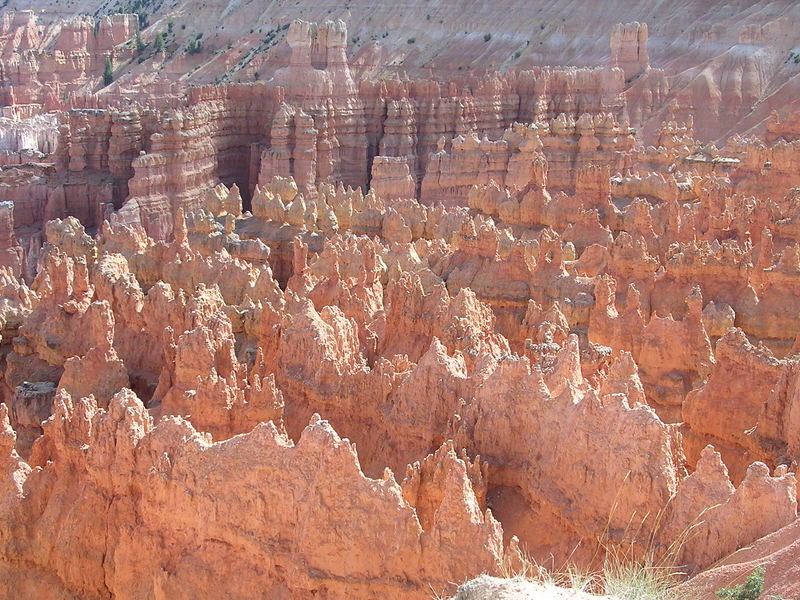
(369, 333)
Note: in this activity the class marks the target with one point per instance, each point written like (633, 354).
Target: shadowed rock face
(343, 333)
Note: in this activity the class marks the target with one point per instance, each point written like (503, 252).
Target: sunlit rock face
(366, 303)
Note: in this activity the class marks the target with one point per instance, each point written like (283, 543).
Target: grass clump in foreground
(619, 577)
(633, 565)
(638, 581)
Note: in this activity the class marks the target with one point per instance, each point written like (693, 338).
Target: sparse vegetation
(271, 39)
(140, 45)
(633, 570)
(195, 45)
(749, 590)
(159, 43)
(637, 581)
(487, 37)
(621, 579)
(411, 40)
(108, 72)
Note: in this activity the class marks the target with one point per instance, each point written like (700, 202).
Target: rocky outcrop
(515, 161)
(391, 178)
(22, 139)
(629, 48)
(43, 63)
(117, 464)
(368, 334)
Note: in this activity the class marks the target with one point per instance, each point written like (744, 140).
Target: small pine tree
(749, 590)
(170, 26)
(194, 45)
(160, 42)
(108, 72)
(140, 45)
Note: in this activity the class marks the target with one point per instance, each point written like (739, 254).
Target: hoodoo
(432, 300)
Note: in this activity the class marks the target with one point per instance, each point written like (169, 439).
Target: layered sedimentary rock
(567, 144)
(391, 178)
(131, 466)
(24, 138)
(315, 122)
(629, 48)
(43, 63)
(360, 329)
(367, 335)
(731, 68)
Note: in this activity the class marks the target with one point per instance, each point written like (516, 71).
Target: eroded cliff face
(339, 336)
(678, 59)
(361, 329)
(45, 63)
(137, 485)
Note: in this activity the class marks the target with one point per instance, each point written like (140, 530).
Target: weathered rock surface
(347, 332)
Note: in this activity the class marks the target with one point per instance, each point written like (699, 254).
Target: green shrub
(108, 72)
(140, 45)
(749, 590)
(487, 37)
(194, 46)
(411, 40)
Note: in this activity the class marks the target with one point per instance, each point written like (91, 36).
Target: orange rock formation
(347, 332)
